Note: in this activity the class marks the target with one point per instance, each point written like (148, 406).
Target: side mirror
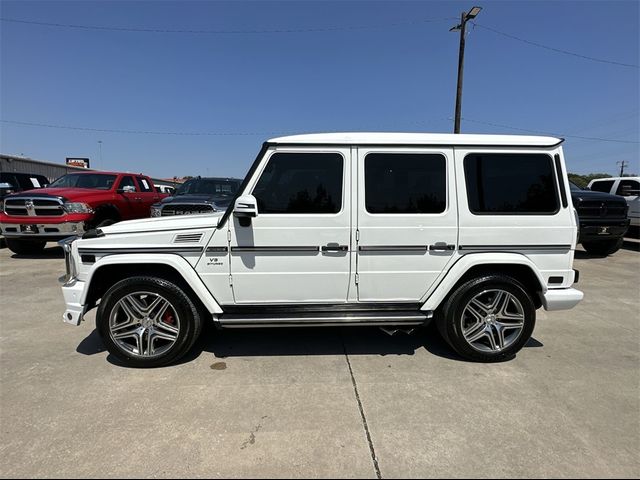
(246, 206)
(127, 189)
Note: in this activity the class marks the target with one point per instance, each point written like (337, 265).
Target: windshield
(85, 180)
(574, 187)
(208, 186)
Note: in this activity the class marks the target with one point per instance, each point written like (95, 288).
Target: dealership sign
(78, 162)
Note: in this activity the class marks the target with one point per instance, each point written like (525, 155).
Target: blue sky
(397, 74)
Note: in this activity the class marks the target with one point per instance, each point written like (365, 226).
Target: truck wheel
(25, 247)
(106, 223)
(603, 247)
(488, 319)
(147, 321)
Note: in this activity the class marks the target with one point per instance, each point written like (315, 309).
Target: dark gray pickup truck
(198, 195)
(603, 220)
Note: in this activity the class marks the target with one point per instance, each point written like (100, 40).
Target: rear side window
(628, 188)
(510, 184)
(144, 185)
(301, 183)
(603, 186)
(405, 183)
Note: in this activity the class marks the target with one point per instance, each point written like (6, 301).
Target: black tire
(449, 318)
(186, 310)
(603, 247)
(25, 247)
(106, 223)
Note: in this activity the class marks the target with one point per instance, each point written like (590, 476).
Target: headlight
(156, 211)
(77, 207)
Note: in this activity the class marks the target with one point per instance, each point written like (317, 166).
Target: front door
(297, 250)
(407, 225)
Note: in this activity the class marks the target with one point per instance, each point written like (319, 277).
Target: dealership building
(11, 163)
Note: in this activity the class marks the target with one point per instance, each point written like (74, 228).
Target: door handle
(334, 247)
(442, 246)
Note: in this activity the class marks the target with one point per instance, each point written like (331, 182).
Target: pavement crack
(372, 450)
(252, 435)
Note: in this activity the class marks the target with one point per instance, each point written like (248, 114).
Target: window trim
(560, 180)
(265, 163)
(396, 152)
(512, 214)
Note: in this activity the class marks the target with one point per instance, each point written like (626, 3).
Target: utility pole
(622, 163)
(465, 17)
(99, 154)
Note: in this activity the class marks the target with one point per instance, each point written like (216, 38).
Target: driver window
(295, 183)
(127, 182)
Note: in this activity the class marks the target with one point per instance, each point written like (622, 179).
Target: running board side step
(325, 319)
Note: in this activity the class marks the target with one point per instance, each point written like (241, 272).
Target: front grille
(602, 209)
(186, 209)
(33, 207)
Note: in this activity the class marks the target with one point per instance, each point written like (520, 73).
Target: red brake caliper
(167, 317)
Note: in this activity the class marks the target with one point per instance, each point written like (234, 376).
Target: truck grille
(186, 209)
(33, 207)
(600, 209)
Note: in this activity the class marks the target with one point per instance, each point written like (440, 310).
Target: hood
(583, 195)
(209, 220)
(66, 193)
(199, 198)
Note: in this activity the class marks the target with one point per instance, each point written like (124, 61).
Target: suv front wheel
(147, 321)
(488, 319)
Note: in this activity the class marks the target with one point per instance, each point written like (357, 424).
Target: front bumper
(561, 298)
(602, 229)
(51, 231)
(72, 293)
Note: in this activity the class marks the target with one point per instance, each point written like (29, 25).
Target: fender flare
(174, 261)
(439, 291)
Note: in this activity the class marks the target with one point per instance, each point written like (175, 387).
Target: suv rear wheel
(25, 247)
(147, 321)
(603, 247)
(488, 319)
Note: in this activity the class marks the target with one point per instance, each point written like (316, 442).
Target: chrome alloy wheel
(144, 324)
(492, 320)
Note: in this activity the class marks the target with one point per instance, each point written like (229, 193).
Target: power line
(221, 134)
(557, 50)
(555, 134)
(217, 32)
(138, 132)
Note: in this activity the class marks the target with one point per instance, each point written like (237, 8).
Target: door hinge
(357, 235)
(228, 235)
(230, 280)
(357, 279)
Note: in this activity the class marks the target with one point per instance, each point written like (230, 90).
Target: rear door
(406, 222)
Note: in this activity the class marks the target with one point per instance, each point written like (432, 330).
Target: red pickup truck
(73, 204)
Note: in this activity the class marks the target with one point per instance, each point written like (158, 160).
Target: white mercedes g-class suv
(382, 229)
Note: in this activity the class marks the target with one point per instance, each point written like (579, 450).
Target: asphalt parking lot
(323, 402)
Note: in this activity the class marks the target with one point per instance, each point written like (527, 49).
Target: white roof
(373, 138)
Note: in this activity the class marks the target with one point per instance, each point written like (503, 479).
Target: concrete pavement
(335, 403)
